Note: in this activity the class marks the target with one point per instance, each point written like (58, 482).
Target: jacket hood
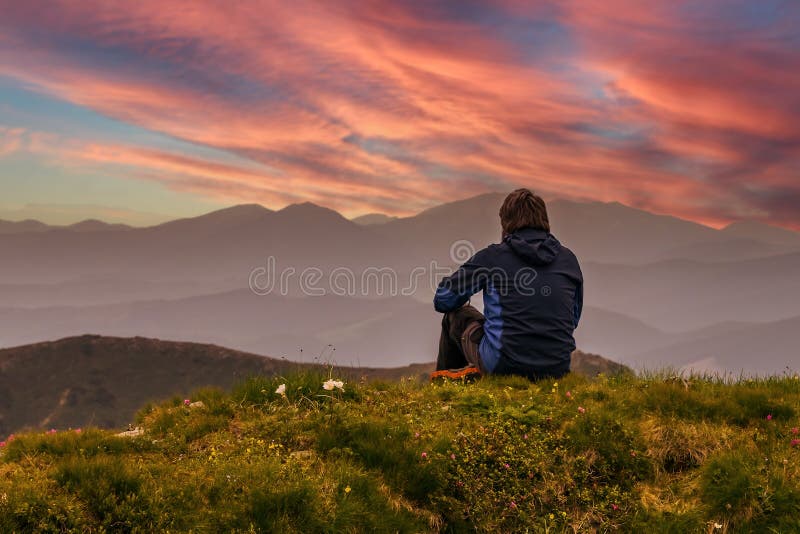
(536, 247)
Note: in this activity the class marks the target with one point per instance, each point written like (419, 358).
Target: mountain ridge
(742, 228)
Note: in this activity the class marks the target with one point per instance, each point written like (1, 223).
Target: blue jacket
(532, 295)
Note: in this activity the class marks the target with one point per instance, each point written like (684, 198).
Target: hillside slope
(660, 454)
(102, 381)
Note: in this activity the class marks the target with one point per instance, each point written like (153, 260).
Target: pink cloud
(11, 140)
(396, 106)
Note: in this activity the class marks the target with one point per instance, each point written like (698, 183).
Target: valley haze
(660, 291)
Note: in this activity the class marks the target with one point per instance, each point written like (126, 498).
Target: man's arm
(578, 307)
(455, 290)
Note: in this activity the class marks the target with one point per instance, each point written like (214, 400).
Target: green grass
(627, 454)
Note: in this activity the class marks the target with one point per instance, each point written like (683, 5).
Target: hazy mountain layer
(652, 282)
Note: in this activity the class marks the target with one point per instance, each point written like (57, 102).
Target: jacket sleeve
(578, 307)
(455, 290)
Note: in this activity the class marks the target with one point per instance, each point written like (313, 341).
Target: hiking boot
(467, 374)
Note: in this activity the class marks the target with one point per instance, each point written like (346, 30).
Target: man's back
(533, 295)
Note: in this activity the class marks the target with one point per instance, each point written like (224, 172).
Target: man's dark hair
(523, 209)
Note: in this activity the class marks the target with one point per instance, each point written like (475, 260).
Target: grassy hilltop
(102, 381)
(630, 454)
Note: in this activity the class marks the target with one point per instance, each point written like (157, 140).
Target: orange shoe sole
(467, 373)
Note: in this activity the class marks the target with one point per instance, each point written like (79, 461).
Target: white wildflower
(329, 385)
(281, 390)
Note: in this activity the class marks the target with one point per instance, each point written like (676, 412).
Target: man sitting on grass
(532, 294)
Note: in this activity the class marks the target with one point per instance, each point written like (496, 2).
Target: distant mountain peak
(483, 201)
(308, 206)
(27, 225)
(309, 210)
(764, 232)
(242, 209)
(373, 218)
(95, 225)
(24, 221)
(237, 212)
(757, 225)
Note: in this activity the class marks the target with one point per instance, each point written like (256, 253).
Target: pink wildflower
(52, 431)
(424, 455)
(513, 504)
(452, 456)
(2, 444)
(795, 430)
(614, 507)
(507, 466)
(525, 436)
(187, 402)
(769, 417)
(78, 430)
(581, 409)
(569, 394)
(10, 438)
(795, 442)
(416, 434)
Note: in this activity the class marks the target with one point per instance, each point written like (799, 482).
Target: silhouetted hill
(33, 226)
(220, 220)
(229, 243)
(613, 232)
(373, 218)
(429, 235)
(102, 381)
(93, 225)
(221, 245)
(603, 232)
(99, 380)
(763, 232)
(28, 225)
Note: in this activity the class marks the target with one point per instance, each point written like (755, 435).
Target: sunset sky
(145, 110)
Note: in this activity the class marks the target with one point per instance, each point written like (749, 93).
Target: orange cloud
(392, 106)
(11, 140)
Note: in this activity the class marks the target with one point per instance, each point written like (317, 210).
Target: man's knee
(466, 314)
(456, 321)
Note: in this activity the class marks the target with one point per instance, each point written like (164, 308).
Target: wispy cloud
(11, 140)
(680, 107)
